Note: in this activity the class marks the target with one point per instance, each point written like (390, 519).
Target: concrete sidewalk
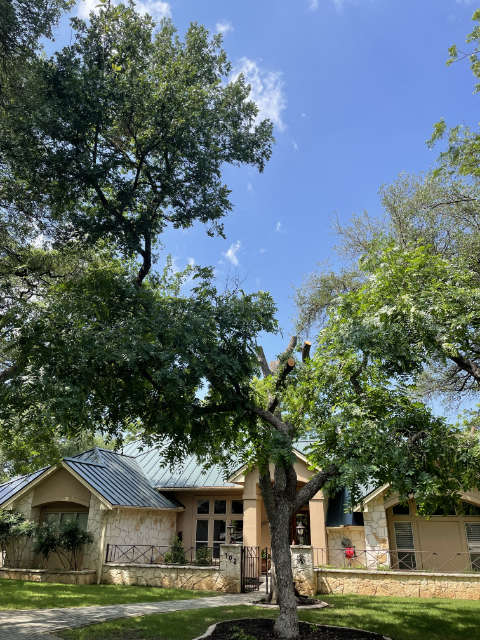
(39, 624)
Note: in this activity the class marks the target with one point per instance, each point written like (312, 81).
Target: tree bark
(286, 625)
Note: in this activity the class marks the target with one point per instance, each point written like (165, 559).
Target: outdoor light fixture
(301, 528)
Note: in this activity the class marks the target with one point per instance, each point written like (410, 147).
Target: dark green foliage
(203, 555)
(15, 533)
(46, 540)
(176, 553)
(102, 147)
(72, 539)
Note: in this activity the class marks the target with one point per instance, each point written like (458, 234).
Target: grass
(18, 594)
(399, 618)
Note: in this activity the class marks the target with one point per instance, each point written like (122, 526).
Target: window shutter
(473, 535)
(404, 535)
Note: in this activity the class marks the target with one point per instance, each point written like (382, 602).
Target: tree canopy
(104, 145)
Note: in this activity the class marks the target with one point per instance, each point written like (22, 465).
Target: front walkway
(38, 624)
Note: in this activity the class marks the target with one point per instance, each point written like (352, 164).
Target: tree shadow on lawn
(404, 618)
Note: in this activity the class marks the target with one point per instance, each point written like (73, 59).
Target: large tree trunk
(286, 625)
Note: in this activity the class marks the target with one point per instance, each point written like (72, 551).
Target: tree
(118, 136)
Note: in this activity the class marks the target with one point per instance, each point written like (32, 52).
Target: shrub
(203, 556)
(176, 553)
(15, 533)
(46, 540)
(71, 539)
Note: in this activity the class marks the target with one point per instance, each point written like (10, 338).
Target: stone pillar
(318, 531)
(252, 511)
(302, 568)
(376, 534)
(93, 554)
(231, 567)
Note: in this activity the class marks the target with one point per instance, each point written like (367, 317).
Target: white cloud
(249, 186)
(224, 27)
(156, 8)
(262, 250)
(266, 90)
(231, 254)
(313, 5)
(191, 262)
(279, 227)
(295, 145)
(85, 7)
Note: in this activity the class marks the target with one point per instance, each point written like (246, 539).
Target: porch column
(318, 531)
(252, 511)
(376, 533)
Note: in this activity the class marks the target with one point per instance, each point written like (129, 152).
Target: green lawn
(17, 594)
(399, 618)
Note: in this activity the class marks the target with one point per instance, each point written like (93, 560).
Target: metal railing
(154, 554)
(398, 560)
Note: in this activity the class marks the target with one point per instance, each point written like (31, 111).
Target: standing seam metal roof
(13, 486)
(190, 474)
(117, 478)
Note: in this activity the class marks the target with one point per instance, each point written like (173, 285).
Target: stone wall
(376, 533)
(167, 576)
(42, 575)
(140, 526)
(399, 583)
(225, 577)
(302, 569)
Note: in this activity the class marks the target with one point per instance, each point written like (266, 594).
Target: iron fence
(154, 554)
(397, 560)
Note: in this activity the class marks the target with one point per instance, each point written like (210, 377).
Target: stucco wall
(61, 486)
(336, 554)
(399, 583)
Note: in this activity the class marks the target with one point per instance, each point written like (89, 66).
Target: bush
(203, 555)
(46, 540)
(15, 533)
(71, 539)
(176, 553)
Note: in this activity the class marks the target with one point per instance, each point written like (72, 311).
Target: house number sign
(230, 558)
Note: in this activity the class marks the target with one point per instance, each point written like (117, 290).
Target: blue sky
(353, 87)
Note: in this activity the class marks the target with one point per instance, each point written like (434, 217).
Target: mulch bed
(262, 629)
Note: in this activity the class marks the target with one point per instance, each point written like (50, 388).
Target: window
(401, 510)
(473, 541)
(203, 506)
(60, 518)
(237, 507)
(218, 536)
(214, 517)
(405, 545)
(220, 506)
(201, 539)
(237, 531)
(469, 509)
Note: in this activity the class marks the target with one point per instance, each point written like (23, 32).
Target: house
(131, 502)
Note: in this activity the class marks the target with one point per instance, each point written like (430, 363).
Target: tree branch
(263, 362)
(273, 420)
(314, 485)
(306, 351)
(467, 365)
